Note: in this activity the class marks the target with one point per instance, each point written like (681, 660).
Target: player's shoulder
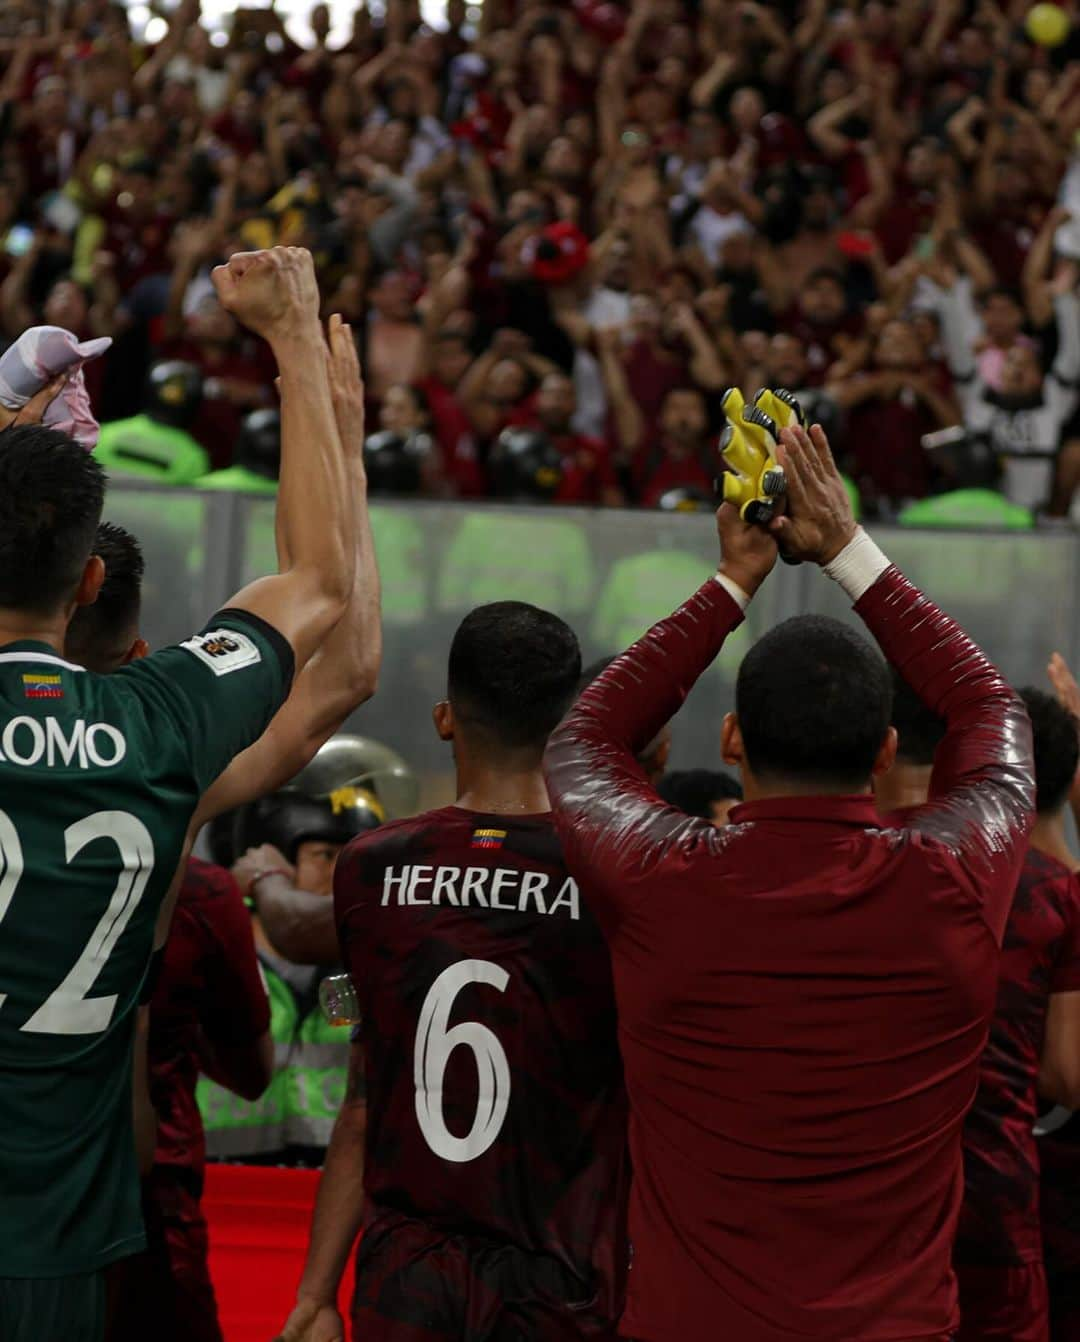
(205, 883)
(1045, 877)
(400, 835)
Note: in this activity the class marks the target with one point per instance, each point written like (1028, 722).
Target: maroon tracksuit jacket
(803, 997)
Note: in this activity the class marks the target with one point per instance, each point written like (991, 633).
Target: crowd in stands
(586, 219)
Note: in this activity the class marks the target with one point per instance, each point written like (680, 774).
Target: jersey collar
(29, 650)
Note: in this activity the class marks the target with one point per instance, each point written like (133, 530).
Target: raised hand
(1064, 683)
(346, 385)
(33, 412)
(258, 862)
(747, 552)
(274, 292)
(819, 521)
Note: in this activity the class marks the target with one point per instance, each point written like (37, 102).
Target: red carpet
(259, 1222)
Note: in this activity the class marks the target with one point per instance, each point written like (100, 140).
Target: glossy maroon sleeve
(982, 792)
(612, 824)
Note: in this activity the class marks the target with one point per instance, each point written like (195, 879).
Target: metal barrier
(608, 573)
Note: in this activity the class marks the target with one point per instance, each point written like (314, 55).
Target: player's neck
(18, 626)
(502, 791)
(1048, 837)
(904, 786)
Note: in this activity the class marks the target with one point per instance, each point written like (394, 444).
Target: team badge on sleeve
(223, 650)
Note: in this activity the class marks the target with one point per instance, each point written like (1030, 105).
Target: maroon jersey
(803, 996)
(1039, 956)
(210, 986)
(496, 1109)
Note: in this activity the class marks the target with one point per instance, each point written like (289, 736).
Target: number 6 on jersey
(434, 1045)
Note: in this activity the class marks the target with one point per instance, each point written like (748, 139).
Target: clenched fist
(273, 292)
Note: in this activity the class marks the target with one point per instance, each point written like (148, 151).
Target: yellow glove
(754, 479)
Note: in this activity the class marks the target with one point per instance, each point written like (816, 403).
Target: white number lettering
(435, 1043)
(68, 1010)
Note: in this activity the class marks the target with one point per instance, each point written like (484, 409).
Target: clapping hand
(819, 520)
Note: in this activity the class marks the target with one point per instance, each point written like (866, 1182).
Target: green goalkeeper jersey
(99, 777)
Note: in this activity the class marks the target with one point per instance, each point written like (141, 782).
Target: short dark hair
(51, 495)
(1057, 749)
(813, 699)
(100, 635)
(513, 673)
(919, 730)
(695, 790)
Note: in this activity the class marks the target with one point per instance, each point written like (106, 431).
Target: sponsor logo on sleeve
(223, 650)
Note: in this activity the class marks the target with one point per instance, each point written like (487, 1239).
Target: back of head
(101, 636)
(51, 495)
(813, 699)
(919, 731)
(695, 790)
(1057, 749)
(513, 673)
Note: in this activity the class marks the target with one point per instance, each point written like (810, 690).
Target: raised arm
(343, 673)
(607, 813)
(276, 295)
(982, 791)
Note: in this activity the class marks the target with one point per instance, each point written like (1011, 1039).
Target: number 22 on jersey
(67, 1010)
(434, 1044)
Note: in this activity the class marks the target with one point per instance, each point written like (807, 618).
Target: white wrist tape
(858, 565)
(733, 590)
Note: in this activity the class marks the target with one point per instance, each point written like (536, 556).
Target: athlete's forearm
(339, 1203)
(316, 513)
(338, 679)
(344, 673)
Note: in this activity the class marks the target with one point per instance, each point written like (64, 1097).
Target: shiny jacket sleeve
(613, 826)
(982, 791)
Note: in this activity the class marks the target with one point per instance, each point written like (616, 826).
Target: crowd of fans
(587, 219)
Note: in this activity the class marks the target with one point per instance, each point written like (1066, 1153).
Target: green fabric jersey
(142, 446)
(99, 777)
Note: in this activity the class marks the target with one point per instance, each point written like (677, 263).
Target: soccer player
(803, 996)
(487, 1163)
(209, 1009)
(99, 777)
(998, 1255)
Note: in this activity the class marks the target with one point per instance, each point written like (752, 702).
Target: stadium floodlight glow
(139, 15)
(156, 30)
(219, 38)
